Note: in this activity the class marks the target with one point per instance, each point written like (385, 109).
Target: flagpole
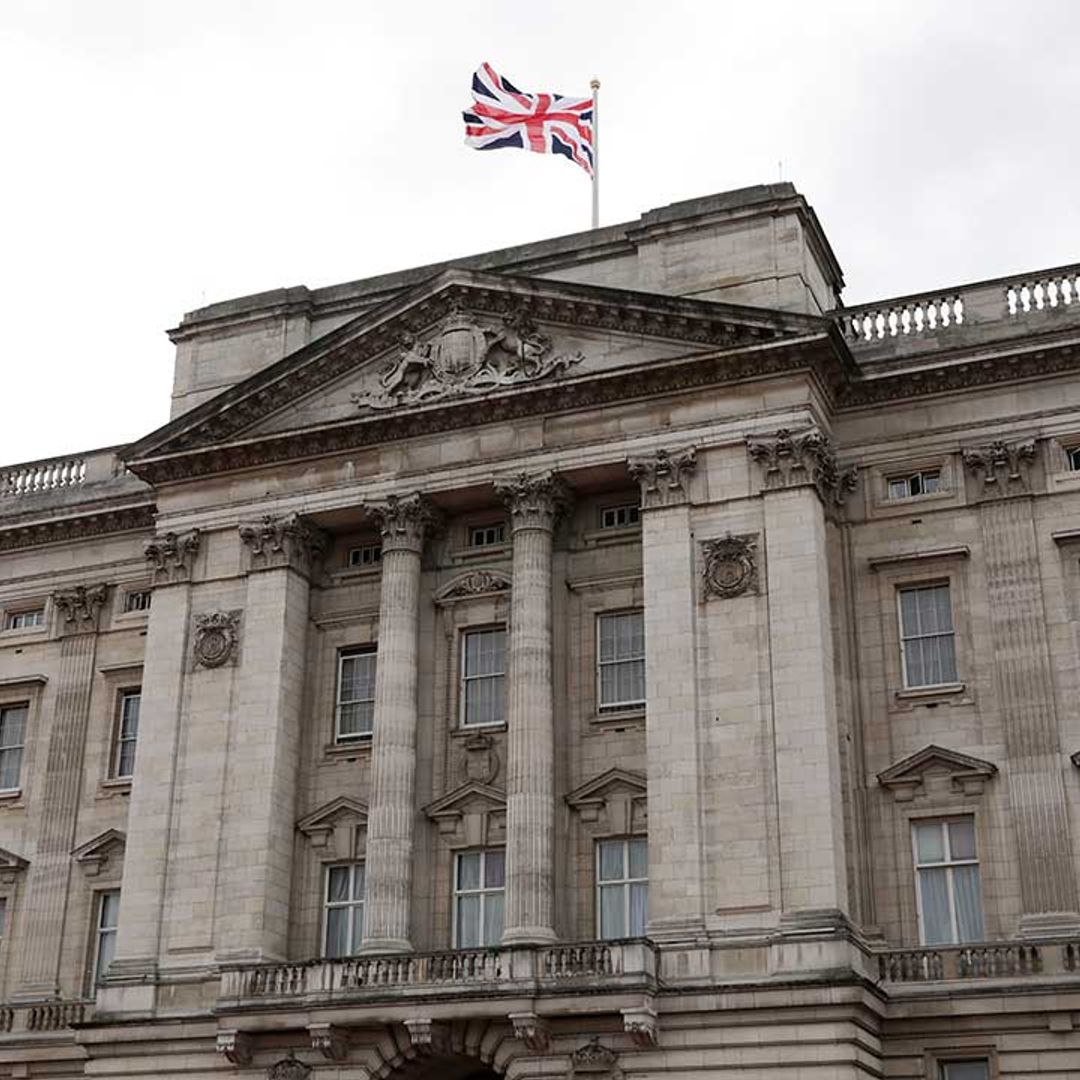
(595, 84)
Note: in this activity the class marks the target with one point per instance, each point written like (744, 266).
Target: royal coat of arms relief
(464, 358)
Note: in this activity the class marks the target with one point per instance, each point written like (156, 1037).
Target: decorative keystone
(642, 1025)
(730, 566)
(172, 555)
(663, 476)
(404, 522)
(236, 1046)
(535, 501)
(809, 457)
(532, 1030)
(329, 1040)
(272, 542)
(80, 606)
(1005, 468)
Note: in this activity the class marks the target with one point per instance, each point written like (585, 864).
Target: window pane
(607, 638)
(611, 860)
(494, 870)
(3, 915)
(110, 910)
(356, 719)
(129, 718)
(13, 725)
(612, 911)
(639, 904)
(357, 927)
(10, 763)
(909, 612)
(966, 889)
(897, 489)
(125, 761)
(947, 655)
(929, 842)
(493, 918)
(914, 667)
(469, 870)
(338, 884)
(106, 952)
(337, 931)
(937, 926)
(639, 858)
(930, 482)
(468, 923)
(358, 881)
(962, 839)
(965, 1070)
(609, 693)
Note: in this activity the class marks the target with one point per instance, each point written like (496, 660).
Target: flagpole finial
(594, 84)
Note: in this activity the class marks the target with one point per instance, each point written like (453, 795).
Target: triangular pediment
(10, 863)
(599, 788)
(94, 855)
(331, 814)
(426, 359)
(616, 801)
(966, 773)
(469, 797)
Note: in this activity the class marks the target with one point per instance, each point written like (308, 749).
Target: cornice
(77, 526)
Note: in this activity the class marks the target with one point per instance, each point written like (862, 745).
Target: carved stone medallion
(730, 566)
(288, 1068)
(595, 1059)
(216, 635)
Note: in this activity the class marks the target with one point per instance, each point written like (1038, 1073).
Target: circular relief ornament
(215, 637)
(730, 566)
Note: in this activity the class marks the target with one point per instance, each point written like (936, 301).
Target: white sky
(165, 154)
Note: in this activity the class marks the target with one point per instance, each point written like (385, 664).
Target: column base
(1048, 924)
(528, 935)
(384, 946)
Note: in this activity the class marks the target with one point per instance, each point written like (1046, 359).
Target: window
(479, 881)
(487, 535)
(108, 910)
(356, 695)
(621, 659)
(1073, 457)
(483, 677)
(947, 873)
(365, 555)
(127, 734)
(926, 636)
(924, 482)
(139, 600)
(12, 739)
(24, 620)
(620, 517)
(344, 909)
(622, 887)
(965, 1070)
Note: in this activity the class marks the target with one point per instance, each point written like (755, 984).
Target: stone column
(404, 523)
(676, 891)
(535, 503)
(1025, 685)
(171, 557)
(77, 613)
(801, 483)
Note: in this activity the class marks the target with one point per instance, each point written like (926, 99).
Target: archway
(452, 1067)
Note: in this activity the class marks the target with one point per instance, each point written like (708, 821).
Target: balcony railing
(593, 964)
(43, 1016)
(992, 960)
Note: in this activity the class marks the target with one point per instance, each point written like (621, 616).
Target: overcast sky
(164, 154)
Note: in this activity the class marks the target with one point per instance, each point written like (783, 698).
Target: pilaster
(673, 752)
(403, 522)
(50, 869)
(1003, 475)
(535, 503)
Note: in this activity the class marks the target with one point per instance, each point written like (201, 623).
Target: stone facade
(610, 657)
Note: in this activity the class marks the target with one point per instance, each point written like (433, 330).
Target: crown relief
(464, 357)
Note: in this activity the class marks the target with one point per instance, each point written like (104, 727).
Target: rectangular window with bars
(927, 638)
(622, 887)
(483, 677)
(624, 516)
(344, 910)
(479, 885)
(12, 742)
(127, 734)
(947, 876)
(108, 913)
(137, 600)
(355, 711)
(620, 668)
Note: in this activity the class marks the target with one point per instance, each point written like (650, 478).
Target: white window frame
(490, 534)
(12, 619)
(348, 738)
(906, 637)
(103, 931)
(482, 891)
(465, 680)
(615, 706)
(624, 882)
(352, 905)
(631, 511)
(120, 739)
(1072, 458)
(948, 865)
(364, 556)
(11, 706)
(920, 477)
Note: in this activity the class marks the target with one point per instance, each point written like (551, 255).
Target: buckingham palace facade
(610, 658)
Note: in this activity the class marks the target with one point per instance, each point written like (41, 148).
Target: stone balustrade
(595, 965)
(991, 960)
(40, 476)
(43, 1016)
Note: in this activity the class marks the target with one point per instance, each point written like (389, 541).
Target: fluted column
(403, 523)
(535, 503)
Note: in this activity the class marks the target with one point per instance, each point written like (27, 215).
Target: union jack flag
(546, 123)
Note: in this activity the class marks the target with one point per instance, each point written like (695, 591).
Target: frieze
(216, 636)
(730, 566)
(663, 476)
(81, 605)
(465, 358)
(172, 555)
(83, 527)
(1004, 468)
(282, 541)
(792, 459)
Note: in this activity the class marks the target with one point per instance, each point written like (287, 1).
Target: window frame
(603, 707)
(11, 706)
(906, 479)
(101, 898)
(373, 563)
(351, 904)
(464, 679)
(39, 623)
(122, 696)
(349, 653)
(486, 535)
(624, 883)
(633, 509)
(949, 864)
(142, 606)
(482, 891)
(903, 637)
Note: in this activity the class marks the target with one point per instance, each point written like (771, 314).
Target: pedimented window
(935, 769)
(613, 803)
(337, 829)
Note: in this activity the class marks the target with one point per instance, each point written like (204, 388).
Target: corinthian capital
(172, 555)
(404, 521)
(809, 457)
(663, 476)
(535, 500)
(80, 606)
(282, 541)
(1005, 468)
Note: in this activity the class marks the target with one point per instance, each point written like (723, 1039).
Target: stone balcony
(42, 1017)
